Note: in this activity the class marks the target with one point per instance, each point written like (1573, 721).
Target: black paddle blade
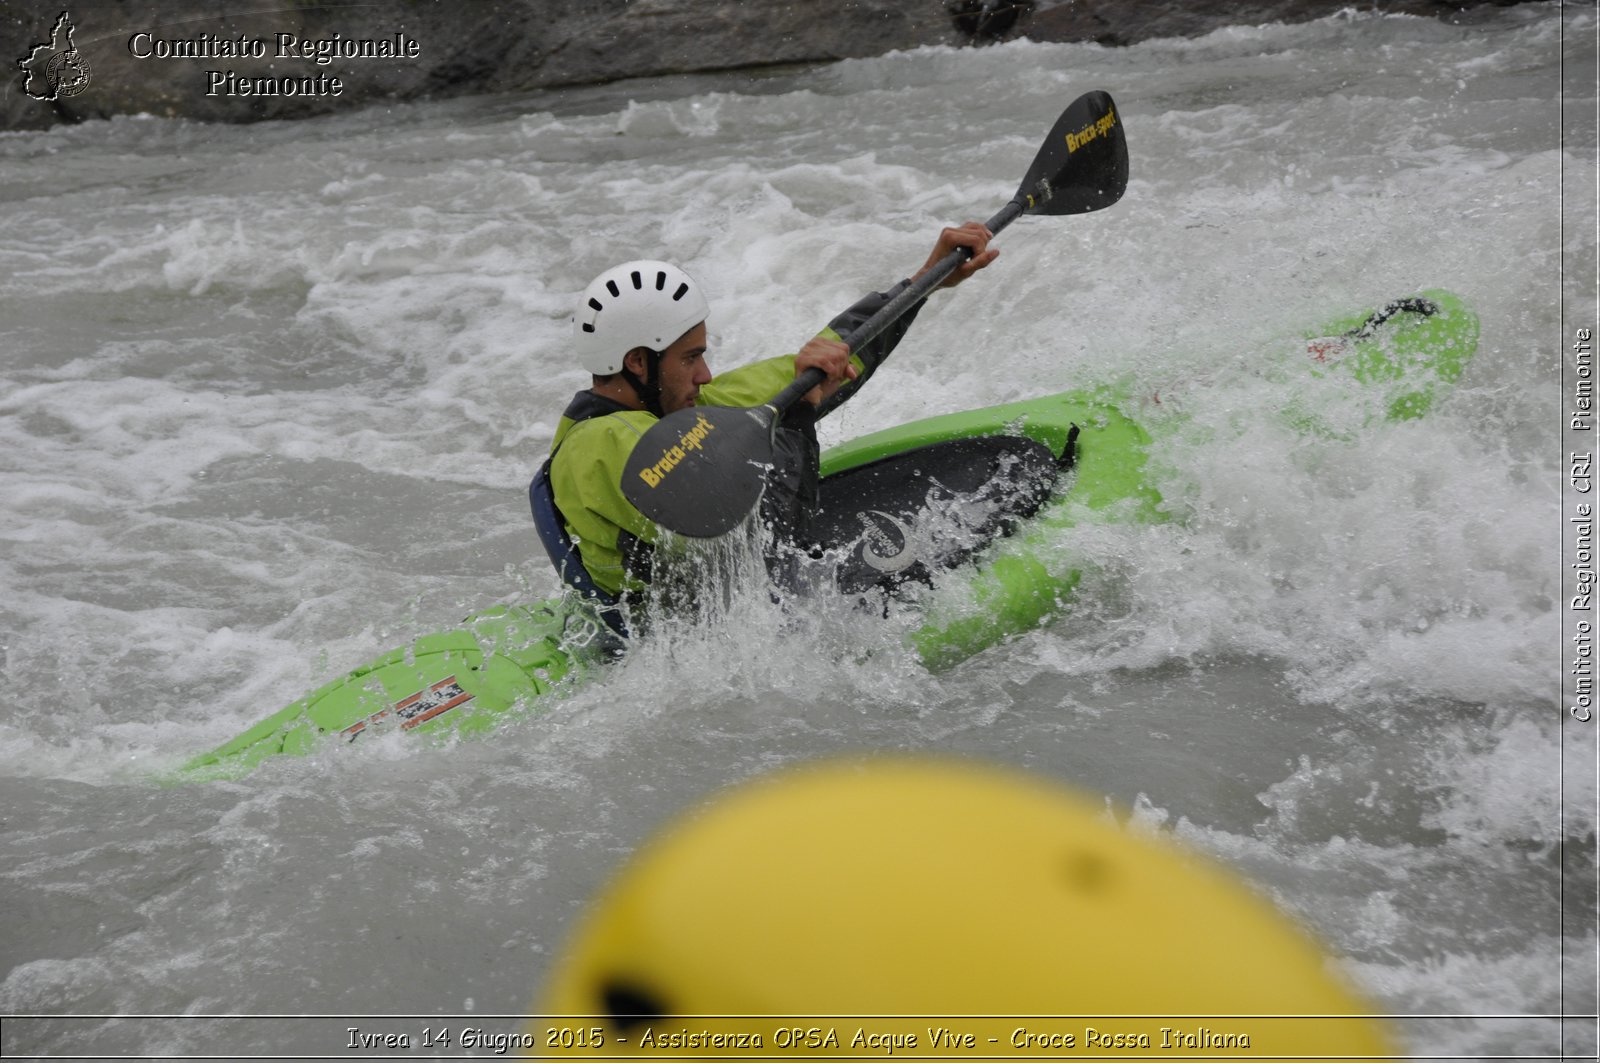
(1083, 164)
(700, 471)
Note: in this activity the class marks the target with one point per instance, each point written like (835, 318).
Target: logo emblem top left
(56, 69)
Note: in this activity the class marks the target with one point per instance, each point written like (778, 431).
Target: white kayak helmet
(637, 304)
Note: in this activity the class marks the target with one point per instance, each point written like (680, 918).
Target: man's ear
(636, 361)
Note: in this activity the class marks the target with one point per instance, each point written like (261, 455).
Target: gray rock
(1122, 22)
(126, 47)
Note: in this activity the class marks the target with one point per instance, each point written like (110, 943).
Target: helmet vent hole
(638, 282)
(661, 280)
(611, 286)
(628, 1006)
(595, 305)
(588, 327)
(683, 290)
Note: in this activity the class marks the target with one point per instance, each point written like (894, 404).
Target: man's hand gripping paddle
(700, 471)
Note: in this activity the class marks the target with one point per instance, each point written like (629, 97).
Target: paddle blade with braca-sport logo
(706, 476)
(1083, 164)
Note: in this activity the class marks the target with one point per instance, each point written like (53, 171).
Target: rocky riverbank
(205, 60)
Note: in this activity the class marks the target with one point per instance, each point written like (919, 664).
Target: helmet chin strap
(648, 389)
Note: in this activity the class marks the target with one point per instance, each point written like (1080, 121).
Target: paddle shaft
(892, 311)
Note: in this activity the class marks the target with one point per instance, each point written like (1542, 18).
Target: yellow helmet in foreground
(935, 909)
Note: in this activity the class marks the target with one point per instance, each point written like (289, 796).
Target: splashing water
(272, 395)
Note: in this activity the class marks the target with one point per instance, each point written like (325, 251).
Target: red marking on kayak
(417, 709)
(426, 704)
(1321, 350)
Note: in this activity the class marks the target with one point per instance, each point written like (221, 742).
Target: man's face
(683, 370)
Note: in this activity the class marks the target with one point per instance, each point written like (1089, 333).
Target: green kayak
(1017, 475)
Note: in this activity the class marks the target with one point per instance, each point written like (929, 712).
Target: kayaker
(640, 330)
